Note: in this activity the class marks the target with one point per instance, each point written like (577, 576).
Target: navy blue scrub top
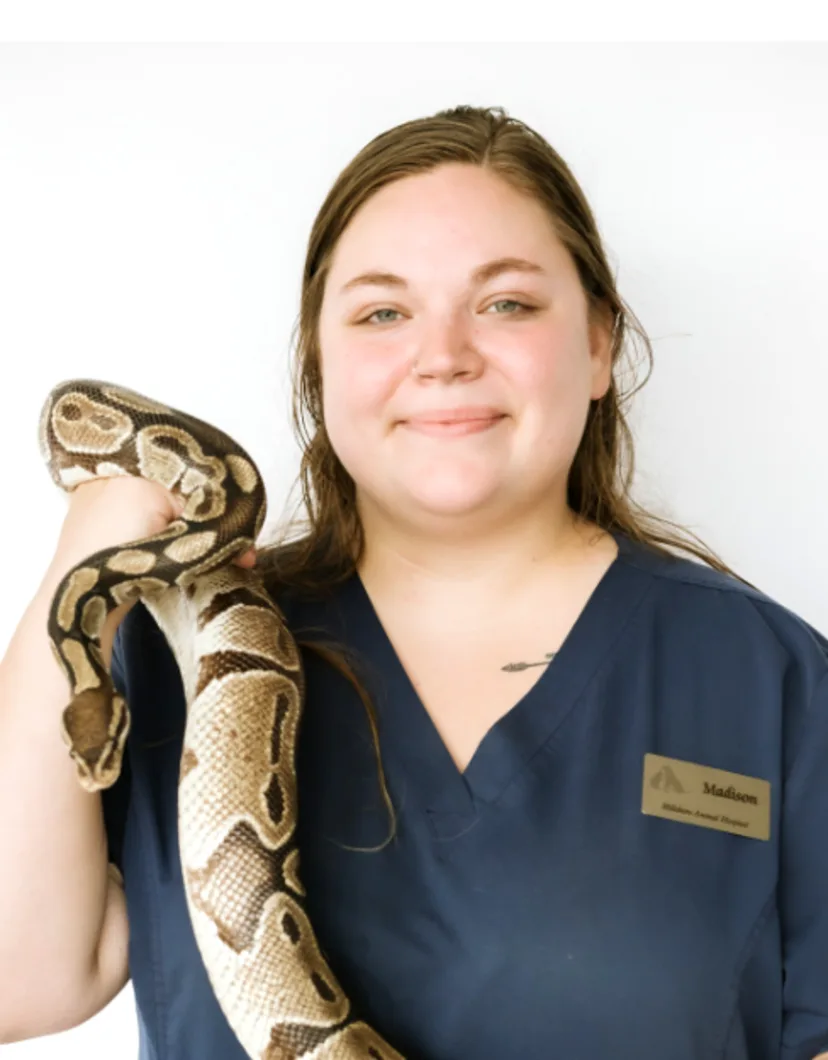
(528, 907)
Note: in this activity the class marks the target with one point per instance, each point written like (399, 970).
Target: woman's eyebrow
(482, 273)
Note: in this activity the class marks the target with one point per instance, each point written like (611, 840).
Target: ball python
(244, 688)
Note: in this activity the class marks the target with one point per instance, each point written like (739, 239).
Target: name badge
(711, 798)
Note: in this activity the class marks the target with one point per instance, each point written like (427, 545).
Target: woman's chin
(455, 501)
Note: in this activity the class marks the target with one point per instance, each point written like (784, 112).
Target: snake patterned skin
(244, 686)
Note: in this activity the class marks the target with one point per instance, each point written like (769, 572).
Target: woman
(565, 797)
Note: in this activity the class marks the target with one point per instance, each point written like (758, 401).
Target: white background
(155, 203)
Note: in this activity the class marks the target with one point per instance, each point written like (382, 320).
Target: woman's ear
(602, 334)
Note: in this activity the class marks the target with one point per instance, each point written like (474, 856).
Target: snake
(244, 686)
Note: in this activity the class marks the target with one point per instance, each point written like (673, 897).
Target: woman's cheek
(356, 395)
(375, 378)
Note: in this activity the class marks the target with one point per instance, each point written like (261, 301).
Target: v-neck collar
(409, 736)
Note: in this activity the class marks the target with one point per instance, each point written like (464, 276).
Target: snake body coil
(244, 689)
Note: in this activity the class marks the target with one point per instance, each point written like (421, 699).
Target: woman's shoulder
(706, 600)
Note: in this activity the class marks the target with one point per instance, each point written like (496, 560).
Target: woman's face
(443, 339)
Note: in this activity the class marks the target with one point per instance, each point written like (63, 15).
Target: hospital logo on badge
(701, 795)
(665, 780)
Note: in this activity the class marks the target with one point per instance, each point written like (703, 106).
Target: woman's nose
(446, 352)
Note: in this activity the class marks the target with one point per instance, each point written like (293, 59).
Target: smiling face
(446, 338)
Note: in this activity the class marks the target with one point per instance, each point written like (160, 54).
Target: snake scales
(244, 686)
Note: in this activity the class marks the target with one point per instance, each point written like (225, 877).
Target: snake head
(95, 727)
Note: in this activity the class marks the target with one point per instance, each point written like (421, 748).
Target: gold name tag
(712, 798)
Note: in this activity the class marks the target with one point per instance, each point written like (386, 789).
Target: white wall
(155, 204)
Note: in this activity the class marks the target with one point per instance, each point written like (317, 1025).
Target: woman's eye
(367, 319)
(509, 301)
(501, 301)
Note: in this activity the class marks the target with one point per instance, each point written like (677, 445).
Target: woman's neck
(460, 580)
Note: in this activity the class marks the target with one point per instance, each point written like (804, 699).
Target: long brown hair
(330, 544)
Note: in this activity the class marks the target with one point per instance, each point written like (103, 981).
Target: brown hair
(330, 547)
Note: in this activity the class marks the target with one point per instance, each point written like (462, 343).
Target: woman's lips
(457, 427)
